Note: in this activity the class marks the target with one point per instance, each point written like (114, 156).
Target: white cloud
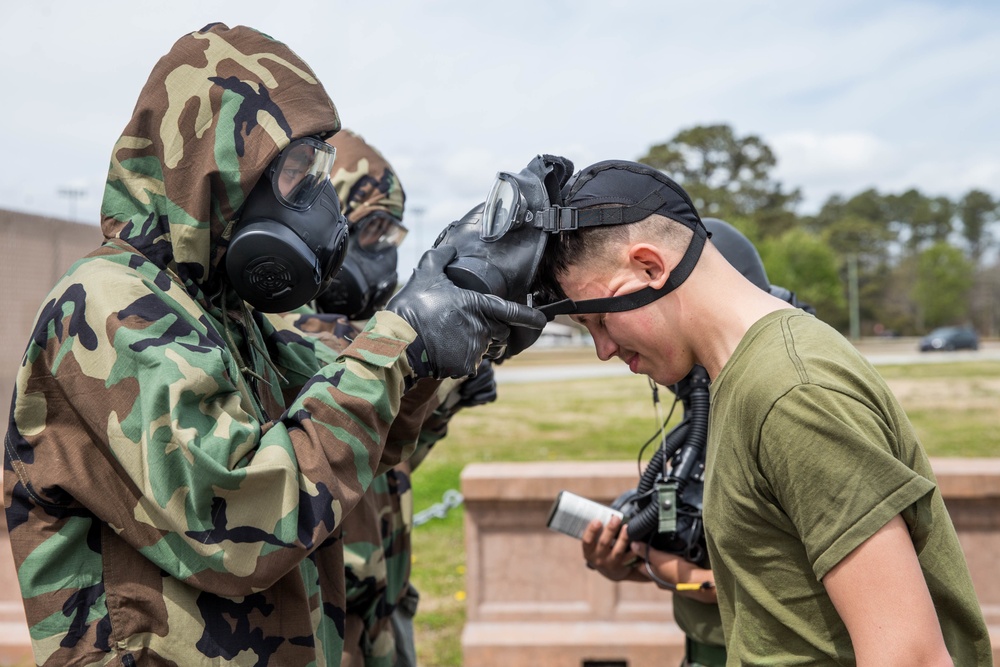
(809, 154)
(821, 165)
(952, 177)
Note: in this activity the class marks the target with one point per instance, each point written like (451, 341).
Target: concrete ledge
(531, 602)
(968, 478)
(572, 644)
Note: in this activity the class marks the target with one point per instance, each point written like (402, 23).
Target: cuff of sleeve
(915, 489)
(383, 342)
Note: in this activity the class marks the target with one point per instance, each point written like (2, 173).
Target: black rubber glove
(520, 340)
(455, 327)
(479, 390)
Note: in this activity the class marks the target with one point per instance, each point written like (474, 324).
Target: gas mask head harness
(522, 210)
(291, 237)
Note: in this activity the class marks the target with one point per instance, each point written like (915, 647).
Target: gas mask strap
(595, 217)
(637, 299)
(566, 218)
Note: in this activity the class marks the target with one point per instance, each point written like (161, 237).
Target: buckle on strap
(557, 219)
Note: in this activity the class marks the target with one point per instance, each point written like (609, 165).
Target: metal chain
(449, 500)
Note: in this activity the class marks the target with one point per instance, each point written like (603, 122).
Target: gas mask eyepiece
(378, 231)
(505, 208)
(300, 172)
(499, 248)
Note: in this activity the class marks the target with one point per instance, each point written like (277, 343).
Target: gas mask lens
(503, 205)
(301, 171)
(378, 231)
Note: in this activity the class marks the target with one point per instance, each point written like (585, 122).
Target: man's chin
(665, 379)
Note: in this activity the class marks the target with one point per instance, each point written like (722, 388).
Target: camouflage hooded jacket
(171, 498)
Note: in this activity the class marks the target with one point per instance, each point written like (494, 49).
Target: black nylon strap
(565, 218)
(638, 299)
(594, 217)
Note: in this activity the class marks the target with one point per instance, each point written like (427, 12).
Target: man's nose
(604, 347)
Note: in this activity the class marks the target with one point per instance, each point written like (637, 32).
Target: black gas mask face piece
(368, 278)
(499, 247)
(291, 236)
(363, 285)
(503, 260)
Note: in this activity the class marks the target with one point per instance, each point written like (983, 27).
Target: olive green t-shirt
(698, 620)
(809, 454)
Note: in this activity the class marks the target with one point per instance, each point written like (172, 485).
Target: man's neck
(728, 306)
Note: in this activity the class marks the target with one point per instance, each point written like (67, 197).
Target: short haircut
(598, 247)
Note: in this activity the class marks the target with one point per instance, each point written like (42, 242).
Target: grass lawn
(953, 407)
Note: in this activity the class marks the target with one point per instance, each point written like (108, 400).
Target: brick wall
(34, 253)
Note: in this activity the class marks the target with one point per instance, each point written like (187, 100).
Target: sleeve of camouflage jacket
(127, 407)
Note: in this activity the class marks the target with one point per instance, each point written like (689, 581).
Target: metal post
(73, 194)
(852, 296)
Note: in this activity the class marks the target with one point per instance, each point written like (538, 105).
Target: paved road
(878, 352)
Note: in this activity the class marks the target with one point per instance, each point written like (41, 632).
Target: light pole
(73, 194)
(853, 297)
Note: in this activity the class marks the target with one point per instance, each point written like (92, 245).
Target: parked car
(950, 338)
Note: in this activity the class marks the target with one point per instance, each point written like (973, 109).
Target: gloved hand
(478, 390)
(520, 340)
(455, 327)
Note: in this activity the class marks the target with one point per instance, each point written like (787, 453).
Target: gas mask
(664, 510)
(501, 247)
(368, 276)
(291, 237)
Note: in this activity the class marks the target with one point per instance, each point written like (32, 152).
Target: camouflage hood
(217, 108)
(364, 179)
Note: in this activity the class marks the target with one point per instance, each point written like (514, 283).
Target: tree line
(903, 263)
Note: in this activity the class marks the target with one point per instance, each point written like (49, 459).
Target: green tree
(941, 290)
(919, 219)
(803, 263)
(977, 210)
(727, 176)
(859, 226)
(858, 229)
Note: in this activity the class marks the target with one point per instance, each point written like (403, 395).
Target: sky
(850, 94)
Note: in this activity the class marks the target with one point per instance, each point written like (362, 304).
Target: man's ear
(649, 264)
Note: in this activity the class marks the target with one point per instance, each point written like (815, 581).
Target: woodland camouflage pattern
(171, 499)
(364, 180)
